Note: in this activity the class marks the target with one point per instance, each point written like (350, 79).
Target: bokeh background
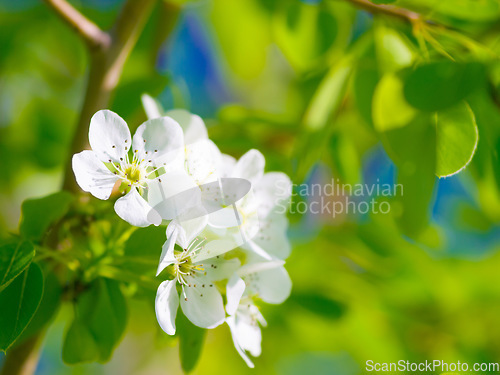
(364, 289)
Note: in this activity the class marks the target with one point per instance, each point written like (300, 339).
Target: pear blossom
(262, 213)
(136, 164)
(195, 269)
(202, 158)
(266, 281)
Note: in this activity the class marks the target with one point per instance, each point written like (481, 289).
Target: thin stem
(93, 36)
(391, 10)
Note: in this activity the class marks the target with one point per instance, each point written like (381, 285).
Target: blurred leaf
(243, 29)
(345, 158)
(319, 304)
(383, 1)
(15, 256)
(390, 109)
(456, 139)
(128, 95)
(394, 51)
(191, 339)
(38, 214)
(304, 32)
(329, 95)
(101, 315)
(413, 149)
(19, 302)
(439, 85)
(79, 345)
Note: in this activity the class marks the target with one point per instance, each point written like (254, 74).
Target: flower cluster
(226, 239)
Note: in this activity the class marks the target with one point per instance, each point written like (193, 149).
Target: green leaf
(304, 32)
(390, 108)
(329, 95)
(457, 138)
(439, 85)
(79, 344)
(15, 256)
(102, 311)
(191, 339)
(48, 308)
(19, 302)
(393, 49)
(413, 150)
(383, 1)
(319, 304)
(38, 214)
(142, 250)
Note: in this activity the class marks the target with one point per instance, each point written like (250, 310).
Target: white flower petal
(226, 166)
(272, 237)
(173, 194)
(272, 191)
(248, 333)
(215, 248)
(250, 166)
(234, 334)
(167, 252)
(203, 159)
(193, 126)
(109, 136)
(272, 285)
(92, 175)
(202, 305)
(219, 268)
(161, 141)
(234, 291)
(135, 210)
(166, 305)
(151, 106)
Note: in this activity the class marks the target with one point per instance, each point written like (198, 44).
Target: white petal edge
(167, 252)
(192, 125)
(204, 306)
(250, 166)
(234, 334)
(92, 175)
(161, 141)
(166, 306)
(151, 106)
(234, 291)
(136, 211)
(106, 130)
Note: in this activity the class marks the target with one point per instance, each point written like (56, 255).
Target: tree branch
(23, 358)
(93, 36)
(391, 10)
(106, 67)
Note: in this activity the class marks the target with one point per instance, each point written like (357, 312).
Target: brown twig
(23, 358)
(93, 36)
(391, 10)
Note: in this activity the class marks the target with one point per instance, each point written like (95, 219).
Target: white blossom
(137, 163)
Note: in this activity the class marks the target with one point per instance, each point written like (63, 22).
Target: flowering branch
(106, 65)
(91, 34)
